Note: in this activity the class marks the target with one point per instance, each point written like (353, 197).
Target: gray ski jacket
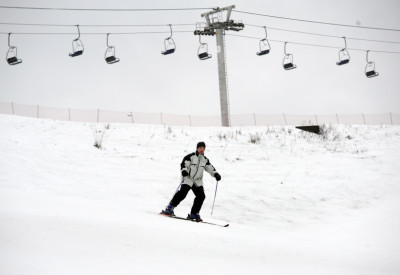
(195, 164)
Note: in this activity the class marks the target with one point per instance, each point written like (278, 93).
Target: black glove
(185, 173)
(217, 176)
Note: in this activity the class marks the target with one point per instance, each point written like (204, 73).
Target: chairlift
(344, 56)
(12, 57)
(77, 45)
(265, 47)
(110, 54)
(288, 60)
(202, 52)
(370, 68)
(169, 44)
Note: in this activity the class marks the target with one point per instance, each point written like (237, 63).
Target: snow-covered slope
(297, 203)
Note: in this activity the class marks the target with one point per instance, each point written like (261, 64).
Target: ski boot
(194, 217)
(169, 210)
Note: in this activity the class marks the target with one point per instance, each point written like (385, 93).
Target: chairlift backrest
(110, 55)
(288, 62)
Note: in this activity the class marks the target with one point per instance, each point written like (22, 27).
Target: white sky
(146, 81)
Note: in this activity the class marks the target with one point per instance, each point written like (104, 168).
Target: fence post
(98, 115)
(132, 117)
(285, 118)
(337, 117)
(69, 114)
(190, 121)
(37, 112)
(391, 119)
(12, 107)
(363, 118)
(162, 123)
(316, 119)
(255, 120)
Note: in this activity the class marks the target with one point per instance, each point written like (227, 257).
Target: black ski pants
(198, 200)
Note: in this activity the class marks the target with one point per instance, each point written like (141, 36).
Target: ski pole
(215, 195)
(183, 179)
(179, 186)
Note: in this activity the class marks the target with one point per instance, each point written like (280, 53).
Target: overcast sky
(146, 81)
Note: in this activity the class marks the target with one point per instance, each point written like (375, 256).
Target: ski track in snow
(297, 203)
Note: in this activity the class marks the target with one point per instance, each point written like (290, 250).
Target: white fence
(188, 120)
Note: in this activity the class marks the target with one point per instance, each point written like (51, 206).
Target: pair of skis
(181, 218)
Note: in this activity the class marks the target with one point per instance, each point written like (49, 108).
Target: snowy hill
(297, 203)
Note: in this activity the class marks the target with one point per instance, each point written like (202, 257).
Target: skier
(192, 168)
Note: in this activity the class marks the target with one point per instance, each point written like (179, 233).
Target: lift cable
(91, 9)
(94, 25)
(91, 33)
(325, 35)
(314, 45)
(193, 24)
(316, 22)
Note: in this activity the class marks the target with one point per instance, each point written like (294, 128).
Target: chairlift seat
(204, 56)
(370, 74)
(289, 66)
(77, 53)
(169, 51)
(112, 59)
(263, 52)
(14, 60)
(343, 62)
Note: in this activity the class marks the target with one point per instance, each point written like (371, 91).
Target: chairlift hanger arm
(369, 62)
(79, 33)
(9, 34)
(107, 40)
(170, 27)
(345, 43)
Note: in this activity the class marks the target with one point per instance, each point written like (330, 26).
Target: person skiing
(192, 168)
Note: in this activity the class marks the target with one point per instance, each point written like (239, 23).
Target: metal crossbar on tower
(217, 25)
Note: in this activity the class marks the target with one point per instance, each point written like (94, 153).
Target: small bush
(255, 138)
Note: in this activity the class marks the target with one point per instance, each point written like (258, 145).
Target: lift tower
(216, 25)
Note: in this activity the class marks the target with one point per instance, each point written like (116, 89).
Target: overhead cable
(91, 9)
(314, 45)
(192, 24)
(326, 35)
(316, 22)
(95, 25)
(89, 33)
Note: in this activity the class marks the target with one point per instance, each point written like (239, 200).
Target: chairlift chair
(265, 47)
(202, 52)
(109, 56)
(344, 56)
(288, 60)
(169, 44)
(12, 58)
(77, 45)
(370, 68)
